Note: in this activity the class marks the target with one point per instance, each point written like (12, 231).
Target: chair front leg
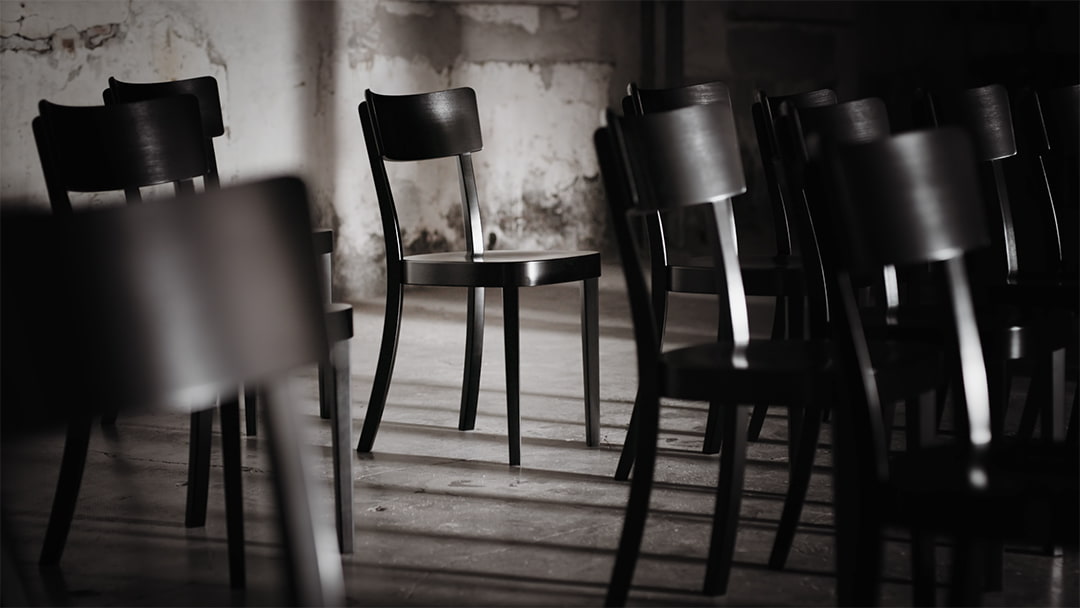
(76, 445)
(340, 440)
(234, 494)
(590, 359)
(728, 500)
(198, 488)
(802, 465)
(647, 415)
(311, 556)
(511, 341)
(385, 369)
(474, 350)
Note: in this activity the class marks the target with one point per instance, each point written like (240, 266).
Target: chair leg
(234, 494)
(784, 326)
(198, 488)
(474, 350)
(629, 449)
(312, 560)
(325, 391)
(997, 372)
(728, 499)
(1053, 418)
(714, 429)
(251, 409)
(923, 568)
(340, 440)
(513, 372)
(76, 445)
(384, 370)
(920, 419)
(802, 466)
(590, 358)
(1071, 435)
(647, 416)
(966, 584)
(757, 420)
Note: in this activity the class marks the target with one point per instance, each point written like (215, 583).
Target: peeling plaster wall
(292, 74)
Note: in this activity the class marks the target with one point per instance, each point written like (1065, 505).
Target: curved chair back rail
(203, 88)
(426, 125)
(102, 148)
(647, 101)
(675, 165)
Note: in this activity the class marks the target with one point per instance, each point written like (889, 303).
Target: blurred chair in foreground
(164, 307)
(334, 395)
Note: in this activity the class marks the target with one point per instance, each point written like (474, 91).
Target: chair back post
(387, 209)
(614, 158)
(692, 156)
(59, 200)
(470, 207)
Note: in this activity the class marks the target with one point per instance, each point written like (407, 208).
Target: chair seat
(1031, 492)
(500, 268)
(762, 275)
(775, 371)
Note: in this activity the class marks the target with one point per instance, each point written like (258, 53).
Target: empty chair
(1014, 328)
(913, 199)
(334, 370)
(690, 156)
(125, 147)
(678, 269)
(447, 124)
(189, 276)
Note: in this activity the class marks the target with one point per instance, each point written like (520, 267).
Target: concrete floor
(441, 518)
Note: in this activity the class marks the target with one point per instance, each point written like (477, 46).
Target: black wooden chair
(789, 310)
(1015, 327)
(334, 371)
(446, 124)
(690, 156)
(189, 275)
(126, 147)
(909, 359)
(913, 199)
(680, 270)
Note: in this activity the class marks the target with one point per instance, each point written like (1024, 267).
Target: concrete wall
(292, 74)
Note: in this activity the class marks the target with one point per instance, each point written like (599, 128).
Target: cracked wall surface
(292, 74)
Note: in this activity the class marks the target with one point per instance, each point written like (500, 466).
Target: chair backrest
(119, 147)
(985, 113)
(814, 131)
(690, 156)
(770, 147)
(639, 102)
(911, 199)
(205, 91)
(157, 305)
(422, 127)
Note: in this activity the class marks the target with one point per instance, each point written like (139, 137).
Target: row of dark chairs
(862, 202)
(675, 148)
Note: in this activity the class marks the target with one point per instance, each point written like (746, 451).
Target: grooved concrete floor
(441, 519)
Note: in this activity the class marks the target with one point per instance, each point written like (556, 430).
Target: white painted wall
(292, 74)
